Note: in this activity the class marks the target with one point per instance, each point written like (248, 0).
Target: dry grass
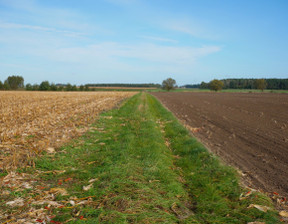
(30, 122)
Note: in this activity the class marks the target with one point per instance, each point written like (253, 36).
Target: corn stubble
(31, 122)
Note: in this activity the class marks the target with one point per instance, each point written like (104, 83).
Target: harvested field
(116, 87)
(31, 122)
(249, 131)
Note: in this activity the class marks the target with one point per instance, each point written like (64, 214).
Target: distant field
(33, 121)
(122, 88)
(248, 130)
(255, 91)
(224, 90)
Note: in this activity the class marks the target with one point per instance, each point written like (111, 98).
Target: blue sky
(143, 41)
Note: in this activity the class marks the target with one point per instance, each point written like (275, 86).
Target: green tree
(53, 87)
(44, 86)
(204, 85)
(86, 88)
(60, 88)
(232, 85)
(15, 82)
(6, 86)
(81, 88)
(1, 86)
(260, 84)
(74, 88)
(29, 87)
(35, 87)
(216, 85)
(168, 84)
(68, 87)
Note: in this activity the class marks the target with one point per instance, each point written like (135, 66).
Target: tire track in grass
(136, 182)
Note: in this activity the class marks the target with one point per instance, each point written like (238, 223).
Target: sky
(143, 41)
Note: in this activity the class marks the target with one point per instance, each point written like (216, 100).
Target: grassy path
(139, 165)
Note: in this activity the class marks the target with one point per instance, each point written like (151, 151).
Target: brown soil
(249, 131)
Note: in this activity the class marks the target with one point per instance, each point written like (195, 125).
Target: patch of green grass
(146, 169)
(3, 173)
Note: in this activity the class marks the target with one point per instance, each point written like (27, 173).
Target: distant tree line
(280, 84)
(143, 85)
(46, 86)
(191, 86)
(17, 83)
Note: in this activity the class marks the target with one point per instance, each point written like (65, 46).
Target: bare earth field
(31, 122)
(249, 131)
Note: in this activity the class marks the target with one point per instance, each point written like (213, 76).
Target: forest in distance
(277, 84)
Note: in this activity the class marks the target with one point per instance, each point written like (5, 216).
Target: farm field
(114, 88)
(31, 122)
(136, 164)
(249, 131)
(223, 90)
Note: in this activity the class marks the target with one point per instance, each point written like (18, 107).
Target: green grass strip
(213, 187)
(148, 169)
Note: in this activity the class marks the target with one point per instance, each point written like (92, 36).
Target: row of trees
(17, 83)
(217, 85)
(13, 83)
(251, 84)
(46, 86)
(123, 85)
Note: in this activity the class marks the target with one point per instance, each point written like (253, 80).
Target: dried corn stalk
(30, 122)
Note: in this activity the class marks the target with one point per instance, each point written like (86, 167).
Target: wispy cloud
(160, 39)
(30, 14)
(190, 27)
(16, 26)
(110, 51)
(185, 29)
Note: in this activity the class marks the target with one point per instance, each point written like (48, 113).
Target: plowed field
(31, 122)
(249, 131)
